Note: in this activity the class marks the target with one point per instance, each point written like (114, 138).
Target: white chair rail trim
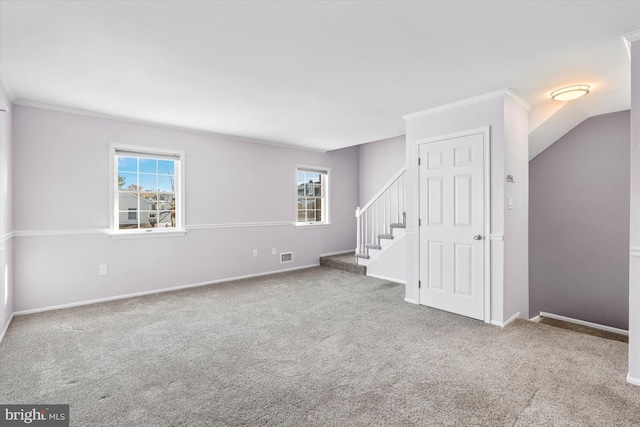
(96, 230)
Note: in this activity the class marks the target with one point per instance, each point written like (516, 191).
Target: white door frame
(486, 133)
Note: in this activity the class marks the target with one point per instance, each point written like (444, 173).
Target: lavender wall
(379, 162)
(579, 223)
(240, 196)
(6, 222)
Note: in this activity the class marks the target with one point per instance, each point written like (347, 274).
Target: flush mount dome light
(570, 93)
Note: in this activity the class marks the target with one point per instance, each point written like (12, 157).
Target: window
(312, 196)
(147, 190)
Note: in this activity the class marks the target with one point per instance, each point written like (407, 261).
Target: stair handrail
(382, 190)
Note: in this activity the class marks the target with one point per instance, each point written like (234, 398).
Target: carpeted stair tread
(344, 262)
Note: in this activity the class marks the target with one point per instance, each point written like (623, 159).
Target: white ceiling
(322, 75)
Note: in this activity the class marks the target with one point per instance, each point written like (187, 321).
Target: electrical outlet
(273, 251)
(103, 269)
(255, 252)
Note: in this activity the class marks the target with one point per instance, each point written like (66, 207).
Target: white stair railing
(380, 215)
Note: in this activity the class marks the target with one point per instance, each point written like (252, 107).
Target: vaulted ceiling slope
(316, 74)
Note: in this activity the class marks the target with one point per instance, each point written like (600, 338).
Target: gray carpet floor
(309, 348)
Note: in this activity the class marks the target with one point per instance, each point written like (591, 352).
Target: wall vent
(286, 257)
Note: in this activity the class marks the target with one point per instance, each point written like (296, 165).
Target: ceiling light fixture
(570, 93)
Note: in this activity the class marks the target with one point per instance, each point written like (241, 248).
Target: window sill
(145, 234)
(312, 224)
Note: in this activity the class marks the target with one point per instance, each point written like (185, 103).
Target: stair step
(363, 256)
(372, 246)
(344, 262)
(385, 236)
(397, 225)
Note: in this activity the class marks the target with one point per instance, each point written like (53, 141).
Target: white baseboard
(584, 323)
(387, 278)
(6, 327)
(410, 301)
(509, 320)
(157, 291)
(632, 380)
(535, 319)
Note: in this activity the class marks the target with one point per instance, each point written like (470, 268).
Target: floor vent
(286, 257)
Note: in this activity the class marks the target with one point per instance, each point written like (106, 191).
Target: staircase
(381, 221)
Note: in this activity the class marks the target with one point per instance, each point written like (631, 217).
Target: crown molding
(470, 101)
(633, 36)
(7, 88)
(628, 38)
(98, 115)
(524, 104)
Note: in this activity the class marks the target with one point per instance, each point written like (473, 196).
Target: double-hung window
(147, 190)
(312, 195)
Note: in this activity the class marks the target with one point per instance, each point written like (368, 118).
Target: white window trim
(327, 211)
(179, 229)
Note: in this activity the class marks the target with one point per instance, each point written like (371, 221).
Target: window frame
(326, 205)
(178, 156)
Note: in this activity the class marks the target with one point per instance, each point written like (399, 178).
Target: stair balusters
(377, 219)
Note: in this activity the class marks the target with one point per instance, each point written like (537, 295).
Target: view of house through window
(312, 196)
(146, 191)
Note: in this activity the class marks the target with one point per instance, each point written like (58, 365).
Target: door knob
(477, 237)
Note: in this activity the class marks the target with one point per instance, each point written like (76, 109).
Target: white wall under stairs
(389, 262)
(380, 225)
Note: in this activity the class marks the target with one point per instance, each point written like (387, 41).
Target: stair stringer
(388, 263)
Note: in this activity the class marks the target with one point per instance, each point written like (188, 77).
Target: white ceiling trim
(469, 101)
(106, 116)
(633, 36)
(7, 88)
(517, 99)
(628, 39)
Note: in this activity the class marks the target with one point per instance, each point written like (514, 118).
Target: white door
(452, 225)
